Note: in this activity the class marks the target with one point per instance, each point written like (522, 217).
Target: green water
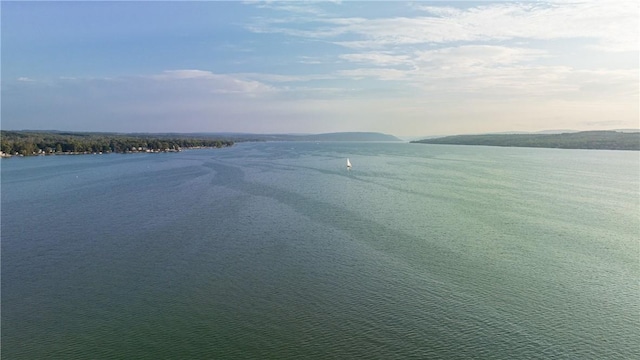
(275, 250)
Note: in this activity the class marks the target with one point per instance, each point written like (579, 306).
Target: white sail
(348, 164)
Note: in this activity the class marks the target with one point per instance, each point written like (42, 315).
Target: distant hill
(338, 136)
(605, 140)
(349, 136)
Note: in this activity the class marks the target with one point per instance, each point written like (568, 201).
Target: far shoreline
(583, 140)
(46, 143)
(43, 154)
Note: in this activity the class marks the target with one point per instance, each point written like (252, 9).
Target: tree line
(38, 143)
(610, 140)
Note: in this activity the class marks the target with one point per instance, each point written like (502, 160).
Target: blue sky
(405, 68)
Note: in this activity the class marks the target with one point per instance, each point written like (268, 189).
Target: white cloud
(303, 8)
(311, 60)
(220, 83)
(438, 101)
(376, 58)
(445, 69)
(611, 26)
(477, 55)
(460, 68)
(484, 71)
(505, 78)
(375, 73)
(184, 74)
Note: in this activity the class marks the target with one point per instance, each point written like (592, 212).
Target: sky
(403, 68)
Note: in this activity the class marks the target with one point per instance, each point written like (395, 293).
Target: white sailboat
(348, 164)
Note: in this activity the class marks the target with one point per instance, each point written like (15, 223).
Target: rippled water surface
(275, 250)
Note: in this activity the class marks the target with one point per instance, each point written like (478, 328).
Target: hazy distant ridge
(606, 140)
(337, 136)
(350, 136)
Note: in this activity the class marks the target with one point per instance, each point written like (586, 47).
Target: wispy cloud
(179, 100)
(611, 26)
(301, 7)
(315, 66)
(220, 83)
(377, 58)
(477, 55)
(375, 73)
(467, 49)
(312, 60)
(198, 100)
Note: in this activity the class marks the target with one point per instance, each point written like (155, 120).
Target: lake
(276, 250)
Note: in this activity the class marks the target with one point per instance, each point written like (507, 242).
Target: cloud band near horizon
(405, 69)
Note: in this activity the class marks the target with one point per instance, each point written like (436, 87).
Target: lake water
(275, 250)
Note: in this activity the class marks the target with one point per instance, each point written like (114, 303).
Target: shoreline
(583, 140)
(74, 153)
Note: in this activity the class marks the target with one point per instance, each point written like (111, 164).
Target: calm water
(275, 250)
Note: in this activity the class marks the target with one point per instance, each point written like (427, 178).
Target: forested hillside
(37, 143)
(611, 140)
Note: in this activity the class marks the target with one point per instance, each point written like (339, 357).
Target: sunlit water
(275, 250)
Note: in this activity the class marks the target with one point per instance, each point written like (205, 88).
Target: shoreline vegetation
(596, 140)
(38, 143)
(53, 142)
(34, 143)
